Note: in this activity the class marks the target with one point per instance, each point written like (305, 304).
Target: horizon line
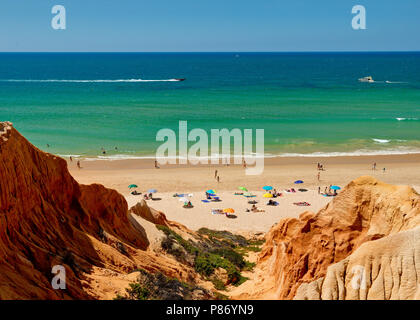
(315, 51)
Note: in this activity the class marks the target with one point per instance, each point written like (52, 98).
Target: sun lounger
(206, 201)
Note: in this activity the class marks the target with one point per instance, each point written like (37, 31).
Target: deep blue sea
(307, 103)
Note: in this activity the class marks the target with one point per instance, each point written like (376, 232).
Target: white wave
(362, 152)
(407, 119)
(69, 155)
(400, 151)
(89, 81)
(381, 140)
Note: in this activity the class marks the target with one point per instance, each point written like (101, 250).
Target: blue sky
(209, 25)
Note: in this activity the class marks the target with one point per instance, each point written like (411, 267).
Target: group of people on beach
(328, 191)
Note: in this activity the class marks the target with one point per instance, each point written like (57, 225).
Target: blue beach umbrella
(335, 188)
(298, 181)
(267, 188)
(152, 191)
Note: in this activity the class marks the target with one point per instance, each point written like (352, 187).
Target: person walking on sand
(218, 179)
(319, 190)
(319, 176)
(78, 164)
(71, 159)
(374, 166)
(156, 165)
(215, 174)
(383, 170)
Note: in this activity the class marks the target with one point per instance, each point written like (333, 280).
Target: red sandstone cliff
(47, 218)
(300, 251)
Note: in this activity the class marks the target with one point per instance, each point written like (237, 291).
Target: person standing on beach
(383, 170)
(374, 166)
(325, 191)
(71, 159)
(215, 174)
(156, 165)
(319, 190)
(218, 179)
(319, 176)
(78, 164)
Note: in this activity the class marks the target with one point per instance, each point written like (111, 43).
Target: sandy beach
(279, 173)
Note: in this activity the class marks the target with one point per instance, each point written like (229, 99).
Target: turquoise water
(306, 103)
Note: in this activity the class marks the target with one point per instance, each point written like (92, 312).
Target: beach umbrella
(228, 210)
(243, 188)
(152, 191)
(267, 188)
(211, 191)
(335, 188)
(132, 186)
(268, 195)
(298, 181)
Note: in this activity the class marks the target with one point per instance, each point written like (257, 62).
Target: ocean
(307, 103)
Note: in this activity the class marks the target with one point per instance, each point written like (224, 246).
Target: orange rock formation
(47, 219)
(299, 251)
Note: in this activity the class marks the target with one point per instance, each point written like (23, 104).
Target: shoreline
(278, 172)
(148, 163)
(121, 157)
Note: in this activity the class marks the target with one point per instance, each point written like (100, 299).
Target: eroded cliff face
(321, 249)
(385, 269)
(47, 219)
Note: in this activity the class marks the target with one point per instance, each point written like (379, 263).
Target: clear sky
(209, 25)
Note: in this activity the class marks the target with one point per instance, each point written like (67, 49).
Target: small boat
(367, 79)
(180, 79)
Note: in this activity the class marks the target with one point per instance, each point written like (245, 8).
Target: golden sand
(279, 173)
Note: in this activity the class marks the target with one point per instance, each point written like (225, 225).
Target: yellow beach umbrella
(228, 210)
(267, 195)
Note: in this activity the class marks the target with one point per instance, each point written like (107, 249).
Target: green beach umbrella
(132, 186)
(243, 188)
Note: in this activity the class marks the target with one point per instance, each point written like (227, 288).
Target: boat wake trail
(90, 81)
